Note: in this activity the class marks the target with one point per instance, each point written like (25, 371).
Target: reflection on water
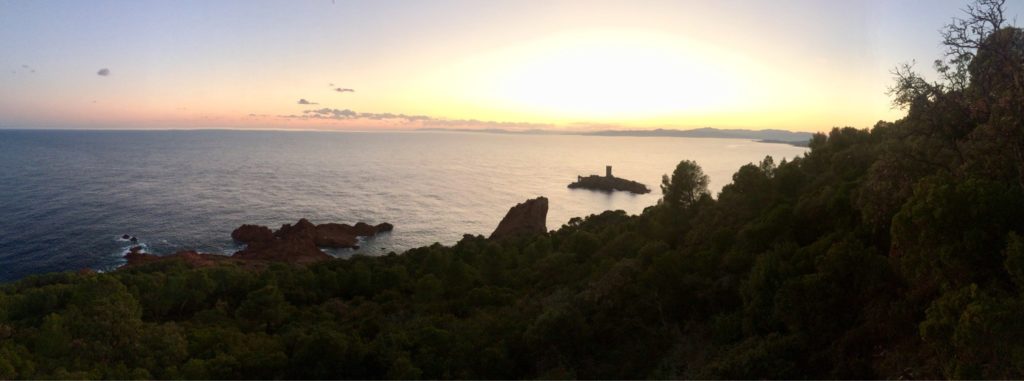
(66, 193)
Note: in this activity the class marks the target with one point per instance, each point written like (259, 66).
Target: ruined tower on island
(609, 183)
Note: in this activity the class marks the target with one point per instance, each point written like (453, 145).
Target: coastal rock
(335, 235)
(126, 237)
(301, 231)
(529, 217)
(189, 257)
(291, 243)
(301, 242)
(298, 243)
(344, 235)
(284, 250)
(252, 233)
(363, 229)
(136, 258)
(609, 184)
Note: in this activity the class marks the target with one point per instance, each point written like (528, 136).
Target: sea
(68, 196)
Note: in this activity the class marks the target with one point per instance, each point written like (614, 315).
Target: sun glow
(605, 77)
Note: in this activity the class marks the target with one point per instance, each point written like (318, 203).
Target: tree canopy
(890, 252)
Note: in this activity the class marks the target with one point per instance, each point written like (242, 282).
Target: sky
(799, 65)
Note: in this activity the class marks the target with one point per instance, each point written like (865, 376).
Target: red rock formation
(300, 242)
(252, 233)
(363, 229)
(344, 236)
(189, 257)
(529, 217)
(291, 244)
(335, 235)
(301, 231)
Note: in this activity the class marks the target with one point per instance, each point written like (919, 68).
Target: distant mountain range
(765, 136)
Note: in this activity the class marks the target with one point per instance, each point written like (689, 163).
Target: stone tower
(607, 171)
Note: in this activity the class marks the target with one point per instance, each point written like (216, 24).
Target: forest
(890, 252)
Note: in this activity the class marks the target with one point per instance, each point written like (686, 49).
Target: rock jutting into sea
(298, 243)
(529, 217)
(609, 183)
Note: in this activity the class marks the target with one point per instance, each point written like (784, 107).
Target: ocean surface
(67, 197)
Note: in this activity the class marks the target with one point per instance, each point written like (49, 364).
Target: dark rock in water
(291, 243)
(609, 184)
(135, 249)
(252, 233)
(189, 257)
(335, 235)
(529, 217)
(137, 258)
(300, 242)
(363, 229)
(125, 237)
(296, 249)
(133, 239)
(345, 236)
(301, 231)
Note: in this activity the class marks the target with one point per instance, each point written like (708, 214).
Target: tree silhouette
(686, 186)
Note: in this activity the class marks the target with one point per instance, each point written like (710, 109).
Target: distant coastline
(799, 139)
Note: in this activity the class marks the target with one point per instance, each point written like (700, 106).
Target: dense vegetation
(882, 253)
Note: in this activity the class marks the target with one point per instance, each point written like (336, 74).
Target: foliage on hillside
(882, 253)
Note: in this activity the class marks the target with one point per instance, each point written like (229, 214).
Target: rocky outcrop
(363, 229)
(301, 242)
(346, 236)
(291, 243)
(529, 217)
(252, 233)
(301, 231)
(609, 184)
(189, 257)
(335, 235)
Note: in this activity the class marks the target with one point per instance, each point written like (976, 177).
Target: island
(609, 183)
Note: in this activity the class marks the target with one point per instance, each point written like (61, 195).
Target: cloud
(421, 120)
(303, 101)
(344, 90)
(103, 72)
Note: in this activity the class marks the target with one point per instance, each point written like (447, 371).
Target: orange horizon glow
(800, 66)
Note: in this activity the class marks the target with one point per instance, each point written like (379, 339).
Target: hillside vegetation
(894, 252)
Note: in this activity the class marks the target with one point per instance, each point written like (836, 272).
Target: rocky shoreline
(300, 243)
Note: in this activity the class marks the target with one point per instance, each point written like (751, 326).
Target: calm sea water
(66, 197)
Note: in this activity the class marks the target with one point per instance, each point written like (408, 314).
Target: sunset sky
(797, 65)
